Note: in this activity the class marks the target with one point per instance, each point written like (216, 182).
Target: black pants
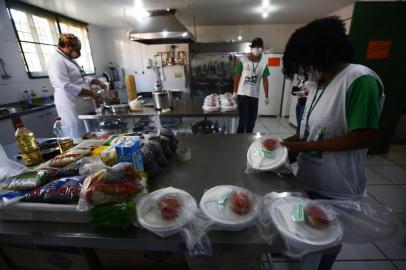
(248, 109)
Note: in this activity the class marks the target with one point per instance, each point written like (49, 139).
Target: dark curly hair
(322, 44)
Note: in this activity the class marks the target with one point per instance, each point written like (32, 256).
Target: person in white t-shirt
(249, 71)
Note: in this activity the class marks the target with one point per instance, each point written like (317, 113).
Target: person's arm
(99, 83)
(237, 76)
(293, 138)
(266, 86)
(356, 139)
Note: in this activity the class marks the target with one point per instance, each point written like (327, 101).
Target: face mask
(314, 75)
(256, 51)
(74, 54)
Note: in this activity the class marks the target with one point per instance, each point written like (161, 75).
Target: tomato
(270, 143)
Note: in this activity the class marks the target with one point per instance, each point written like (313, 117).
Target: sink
(9, 110)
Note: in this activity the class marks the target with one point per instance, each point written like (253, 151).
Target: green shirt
(238, 69)
(362, 103)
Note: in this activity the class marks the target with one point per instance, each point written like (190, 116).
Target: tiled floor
(386, 185)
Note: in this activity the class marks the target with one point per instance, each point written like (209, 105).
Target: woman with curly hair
(341, 115)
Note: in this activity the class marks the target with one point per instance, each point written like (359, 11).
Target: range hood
(161, 27)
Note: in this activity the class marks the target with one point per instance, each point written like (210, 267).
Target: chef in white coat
(72, 89)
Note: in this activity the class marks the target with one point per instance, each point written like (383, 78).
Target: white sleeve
(59, 77)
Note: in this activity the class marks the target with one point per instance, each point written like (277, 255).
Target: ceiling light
(167, 9)
(239, 37)
(264, 15)
(265, 3)
(184, 34)
(164, 33)
(140, 12)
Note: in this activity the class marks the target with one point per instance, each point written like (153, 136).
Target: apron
(332, 173)
(251, 76)
(70, 106)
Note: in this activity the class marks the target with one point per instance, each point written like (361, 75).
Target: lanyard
(81, 71)
(313, 104)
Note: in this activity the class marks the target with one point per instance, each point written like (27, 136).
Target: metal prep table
(216, 160)
(181, 108)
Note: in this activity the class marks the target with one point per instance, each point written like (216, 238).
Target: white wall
(11, 90)
(275, 36)
(131, 56)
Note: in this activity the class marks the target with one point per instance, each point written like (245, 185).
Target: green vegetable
(113, 215)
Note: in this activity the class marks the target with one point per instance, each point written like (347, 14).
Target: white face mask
(256, 51)
(74, 54)
(314, 75)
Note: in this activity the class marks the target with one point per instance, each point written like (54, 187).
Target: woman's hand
(295, 147)
(99, 83)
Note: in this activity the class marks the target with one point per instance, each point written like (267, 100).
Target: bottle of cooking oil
(62, 133)
(29, 148)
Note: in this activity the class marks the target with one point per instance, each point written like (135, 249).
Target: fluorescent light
(264, 15)
(164, 33)
(239, 37)
(265, 3)
(184, 34)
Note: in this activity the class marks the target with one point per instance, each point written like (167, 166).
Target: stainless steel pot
(162, 99)
(116, 126)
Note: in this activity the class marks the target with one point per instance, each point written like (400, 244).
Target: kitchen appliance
(162, 99)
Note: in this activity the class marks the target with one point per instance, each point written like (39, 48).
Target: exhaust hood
(161, 27)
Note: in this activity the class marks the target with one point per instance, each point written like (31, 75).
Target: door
(276, 84)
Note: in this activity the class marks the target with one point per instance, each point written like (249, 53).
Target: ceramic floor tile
(394, 174)
(363, 265)
(377, 160)
(374, 178)
(360, 252)
(278, 129)
(390, 195)
(395, 247)
(401, 265)
(282, 135)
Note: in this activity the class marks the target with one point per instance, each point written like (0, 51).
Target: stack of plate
(216, 205)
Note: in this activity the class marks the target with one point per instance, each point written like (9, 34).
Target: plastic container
(29, 148)
(62, 133)
(27, 99)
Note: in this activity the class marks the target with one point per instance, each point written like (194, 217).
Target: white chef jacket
(67, 80)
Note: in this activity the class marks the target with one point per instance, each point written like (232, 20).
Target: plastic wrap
(173, 141)
(169, 211)
(267, 154)
(113, 215)
(8, 167)
(64, 190)
(158, 153)
(26, 181)
(164, 141)
(112, 184)
(230, 207)
(165, 211)
(91, 165)
(150, 165)
(313, 225)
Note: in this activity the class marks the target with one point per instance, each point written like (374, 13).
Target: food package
(65, 159)
(10, 197)
(313, 225)
(230, 207)
(8, 167)
(63, 190)
(26, 181)
(267, 154)
(112, 184)
(150, 165)
(129, 150)
(165, 211)
(164, 142)
(158, 152)
(109, 156)
(113, 215)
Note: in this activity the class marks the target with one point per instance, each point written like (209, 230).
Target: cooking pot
(162, 99)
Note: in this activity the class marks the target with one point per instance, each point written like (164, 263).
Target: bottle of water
(62, 133)
(28, 146)
(27, 99)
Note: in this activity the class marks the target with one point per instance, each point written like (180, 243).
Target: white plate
(266, 164)
(281, 214)
(210, 109)
(152, 219)
(228, 108)
(225, 217)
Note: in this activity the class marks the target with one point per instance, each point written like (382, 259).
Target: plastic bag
(113, 215)
(112, 184)
(10, 197)
(267, 154)
(230, 207)
(164, 142)
(26, 181)
(165, 211)
(8, 167)
(150, 165)
(168, 133)
(91, 165)
(158, 153)
(195, 235)
(312, 225)
(64, 190)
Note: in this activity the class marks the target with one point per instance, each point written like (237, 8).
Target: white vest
(250, 81)
(333, 174)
